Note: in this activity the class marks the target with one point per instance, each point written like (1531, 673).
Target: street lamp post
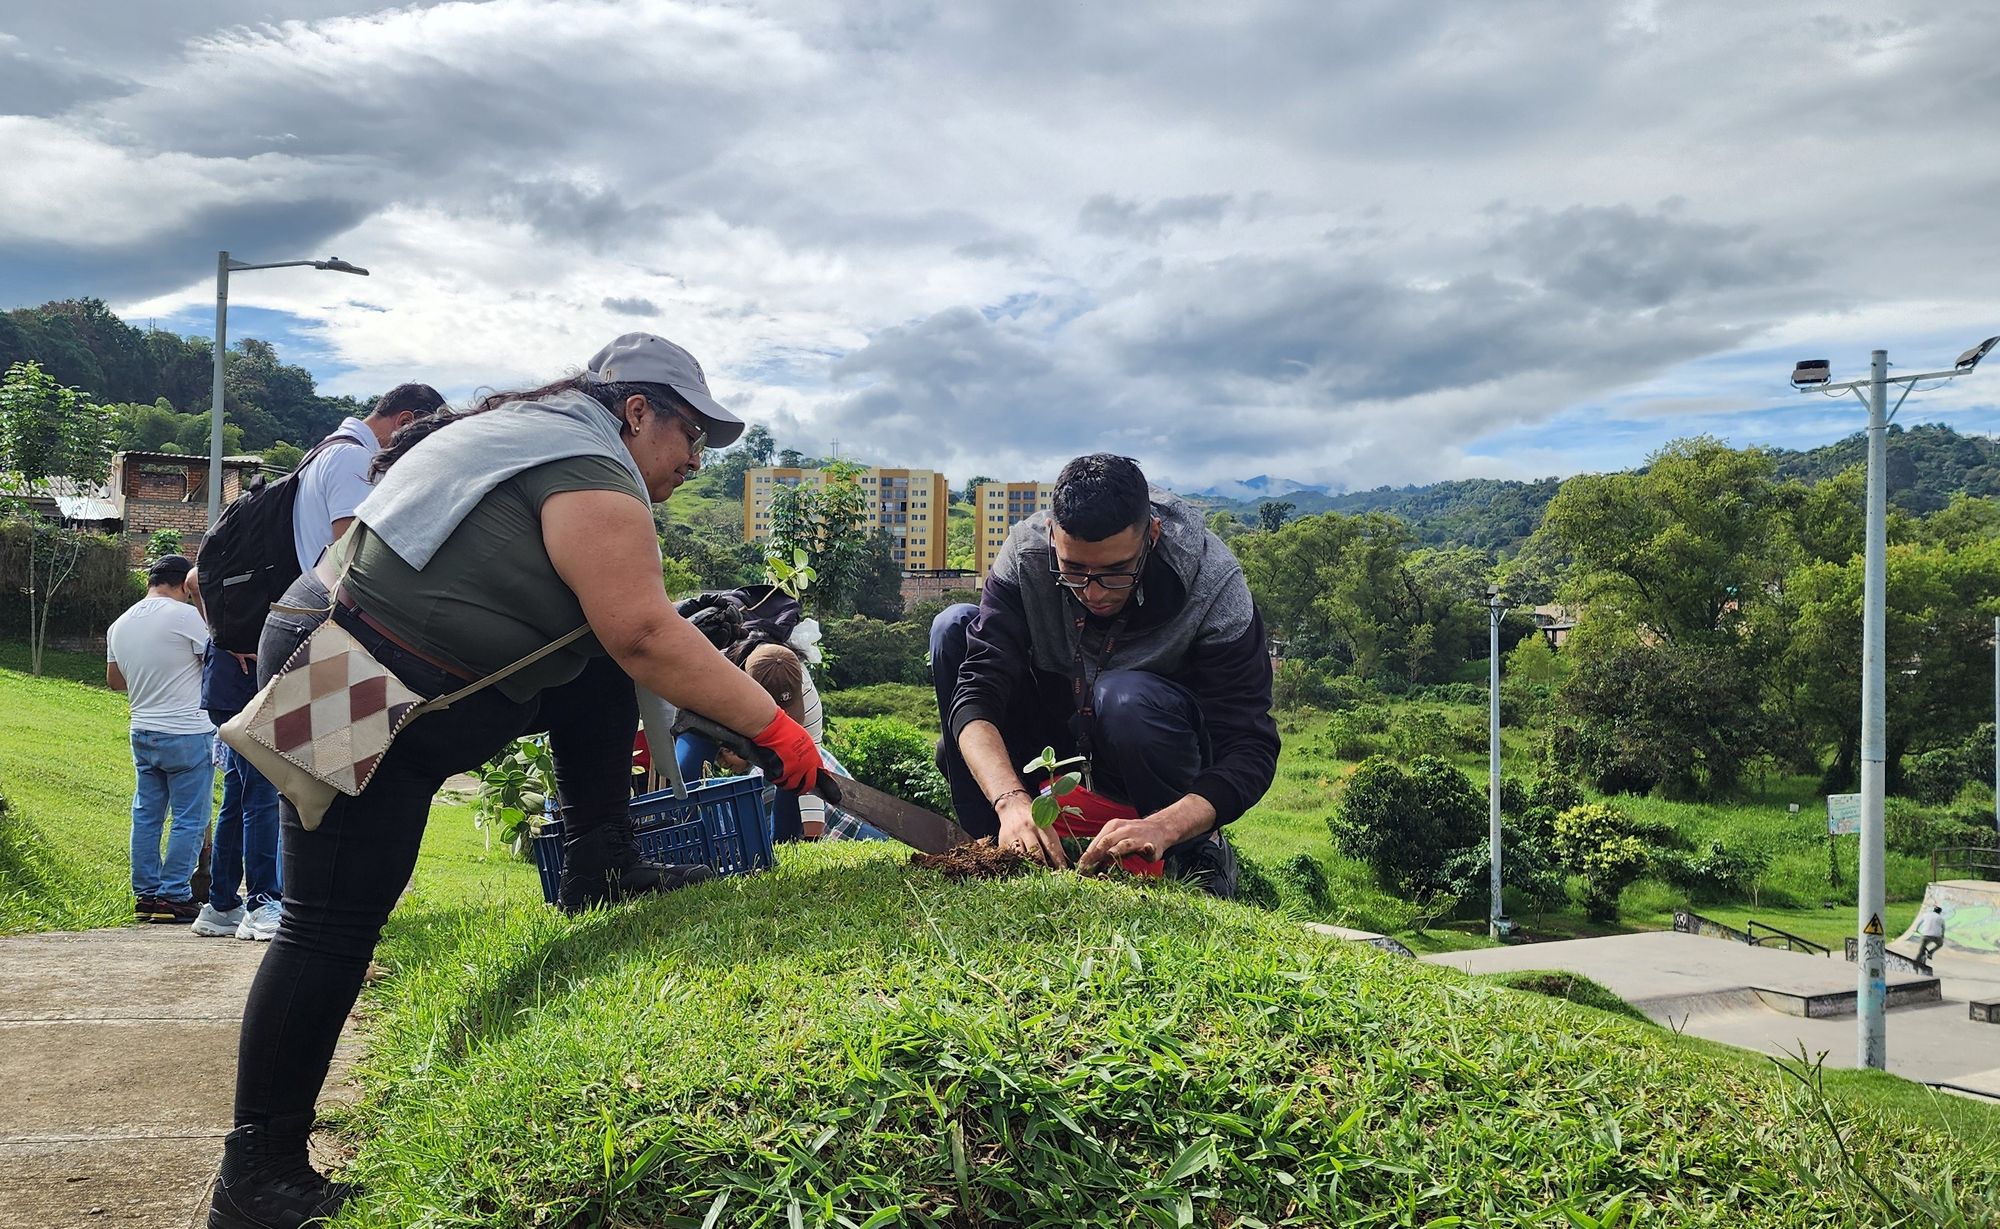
(224, 266)
(1496, 915)
(1813, 375)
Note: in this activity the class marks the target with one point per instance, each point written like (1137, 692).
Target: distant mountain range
(1928, 464)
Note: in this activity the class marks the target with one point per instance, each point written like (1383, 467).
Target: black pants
(342, 878)
(1147, 745)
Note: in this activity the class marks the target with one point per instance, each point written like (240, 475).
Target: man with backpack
(333, 478)
(263, 542)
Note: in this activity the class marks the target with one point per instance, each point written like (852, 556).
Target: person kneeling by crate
(498, 531)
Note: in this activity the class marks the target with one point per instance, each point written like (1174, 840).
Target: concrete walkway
(1772, 1001)
(117, 1070)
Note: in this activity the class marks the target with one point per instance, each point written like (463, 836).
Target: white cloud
(1332, 242)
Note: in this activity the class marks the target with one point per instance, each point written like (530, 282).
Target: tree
(49, 431)
(1273, 513)
(758, 444)
(283, 456)
(878, 591)
(1416, 828)
(1681, 718)
(1938, 633)
(827, 522)
(862, 651)
(1685, 545)
(1605, 846)
(791, 458)
(969, 493)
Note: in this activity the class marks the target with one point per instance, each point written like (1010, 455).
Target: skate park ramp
(1775, 1001)
(1971, 923)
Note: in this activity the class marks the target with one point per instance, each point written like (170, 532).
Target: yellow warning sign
(1874, 926)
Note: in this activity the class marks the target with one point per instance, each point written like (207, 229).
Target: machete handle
(824, 784)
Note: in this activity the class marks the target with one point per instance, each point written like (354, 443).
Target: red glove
(798, 757)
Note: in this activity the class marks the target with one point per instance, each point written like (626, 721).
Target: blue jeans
(246, 837)
(176, 781)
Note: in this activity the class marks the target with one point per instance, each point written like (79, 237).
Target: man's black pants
(1148, 744)
(342, 878)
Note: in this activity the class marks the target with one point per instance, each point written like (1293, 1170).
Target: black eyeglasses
(698, 442)
(1110, 582)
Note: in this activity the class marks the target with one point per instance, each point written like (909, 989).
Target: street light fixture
(1813, 375)
(1497, 925)
(224, 266)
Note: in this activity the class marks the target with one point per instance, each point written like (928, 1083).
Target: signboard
(1843, 814)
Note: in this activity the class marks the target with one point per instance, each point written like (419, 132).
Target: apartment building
(909, 503)
(998, 506)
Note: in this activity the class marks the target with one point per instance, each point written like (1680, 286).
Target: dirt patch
(975, 860)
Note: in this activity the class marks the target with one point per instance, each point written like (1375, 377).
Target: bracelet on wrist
(1005, 794)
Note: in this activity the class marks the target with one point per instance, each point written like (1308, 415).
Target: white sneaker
(214, 923)
(261, 923)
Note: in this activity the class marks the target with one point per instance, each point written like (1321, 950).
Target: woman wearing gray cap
(498, 530)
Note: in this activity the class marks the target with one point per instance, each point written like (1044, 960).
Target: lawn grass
(848, 1036)
(848, 1041)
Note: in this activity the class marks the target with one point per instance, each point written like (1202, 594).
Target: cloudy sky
(1339, 241)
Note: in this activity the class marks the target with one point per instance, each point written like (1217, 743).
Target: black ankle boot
(603, 864)
(267, 1182)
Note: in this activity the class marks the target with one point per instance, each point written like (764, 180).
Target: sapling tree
(1049, 807)
(49, 431)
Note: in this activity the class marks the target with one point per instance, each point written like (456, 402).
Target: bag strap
(502, 672)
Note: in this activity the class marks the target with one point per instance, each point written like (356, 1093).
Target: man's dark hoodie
(1196, 626)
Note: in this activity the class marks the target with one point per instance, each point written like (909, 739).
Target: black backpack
(248, 561)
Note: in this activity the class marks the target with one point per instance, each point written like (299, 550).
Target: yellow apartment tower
(909, 503)
(999, 506)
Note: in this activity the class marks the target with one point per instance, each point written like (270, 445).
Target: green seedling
(1046, 808)
(793, 577)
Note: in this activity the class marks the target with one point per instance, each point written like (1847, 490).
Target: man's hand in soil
(1018, 830)
(1150, 836)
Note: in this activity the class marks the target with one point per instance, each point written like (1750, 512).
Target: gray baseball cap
(643, 358)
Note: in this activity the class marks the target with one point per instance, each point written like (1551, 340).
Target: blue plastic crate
(719, 824)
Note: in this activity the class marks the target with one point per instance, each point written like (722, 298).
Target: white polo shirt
(157, 646)
(330, 489)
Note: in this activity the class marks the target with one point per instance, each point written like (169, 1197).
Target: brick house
(168, 490)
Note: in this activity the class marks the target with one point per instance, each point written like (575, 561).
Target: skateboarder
(1930, 929)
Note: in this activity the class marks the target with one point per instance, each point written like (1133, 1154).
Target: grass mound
(850, 1041)
(1569, 987)
(66, 769)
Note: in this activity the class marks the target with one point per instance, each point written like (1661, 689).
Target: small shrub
(1606, 847)
(1297, 684)
(1253, 886)
(893, 756)
(1935, 777)
(1718, 872)
(1419, 732)
(1417, 828)
(1349, 738)
(1306, 874)
(1346, 691)
(1451, 693)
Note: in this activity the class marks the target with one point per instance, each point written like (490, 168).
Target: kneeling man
(1119, 628)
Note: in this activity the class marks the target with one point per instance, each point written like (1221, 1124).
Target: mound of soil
(981, 859)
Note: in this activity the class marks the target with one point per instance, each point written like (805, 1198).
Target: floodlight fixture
(1811, 373)
(337, 265)
(1970, 359)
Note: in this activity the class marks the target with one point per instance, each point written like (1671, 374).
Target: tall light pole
(1496, 915)
(1813, 375)
(224, 266)
(1996, 719)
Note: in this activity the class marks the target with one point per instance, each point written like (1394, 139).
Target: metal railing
(1773, 937)
(1966, 861)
